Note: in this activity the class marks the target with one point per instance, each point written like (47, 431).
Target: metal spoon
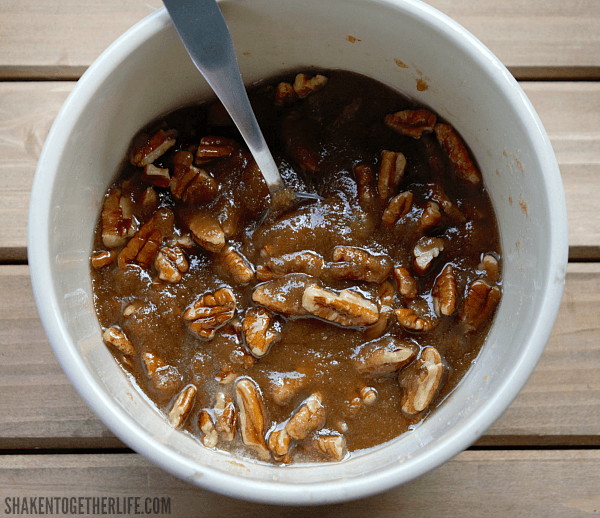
(207, 39)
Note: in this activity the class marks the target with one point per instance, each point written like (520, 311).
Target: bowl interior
(407, 45)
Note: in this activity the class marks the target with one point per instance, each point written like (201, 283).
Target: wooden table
(541, 458)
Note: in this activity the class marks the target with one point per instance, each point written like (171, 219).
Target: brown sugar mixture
(308, 331)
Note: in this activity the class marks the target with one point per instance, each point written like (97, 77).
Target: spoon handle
(206, 37)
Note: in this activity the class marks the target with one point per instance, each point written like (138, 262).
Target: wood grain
(559, 484)
(62, 38)
(564, 388)
(39, 406)
(568, 111)
(521, 466)
(63, 35)
(560, 404)
(27, 111)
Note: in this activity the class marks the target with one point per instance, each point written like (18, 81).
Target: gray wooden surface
(541, 458)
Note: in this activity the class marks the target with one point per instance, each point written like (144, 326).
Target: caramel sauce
(317, 142)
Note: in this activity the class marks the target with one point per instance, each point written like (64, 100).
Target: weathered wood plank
(570, 112)
(525, 483)
(564, 388)
(559, 405)
(62, 38)
(548, 33)
(27, 111)
(63, 35)
(39, 406)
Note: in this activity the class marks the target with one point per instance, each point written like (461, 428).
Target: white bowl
(146, 73)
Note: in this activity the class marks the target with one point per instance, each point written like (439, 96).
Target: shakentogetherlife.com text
(85, 505)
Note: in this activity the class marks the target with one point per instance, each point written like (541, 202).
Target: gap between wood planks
(522, 443)
(561, 484)
(566, 108)
(73, 73)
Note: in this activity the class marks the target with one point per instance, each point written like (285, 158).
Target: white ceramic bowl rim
(130, 431)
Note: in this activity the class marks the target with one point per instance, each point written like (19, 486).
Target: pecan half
(153, 147)
(391, 172)
(421, 380)
(206, 231)
(431, 216)
(279, 444)
(229, 215)
(117, 224)
(356, 264)
(383, 356)
(149, 201)
(444, 292)
(171, 263)
(256, 193)
(480, 303)
(144, 245)
(365, 181)
(306, 261)
(210, 312)
(226, 375)
(407, 284)
(330, 447)
(285, 94)
(304, 86)
(347, 309)
(425, 251)
(190, 184)
(252, 417)
(258, 331)
(183, 406)
(301, 138)
(411, 122)
(132, 308)
(235, 265)
(226, 416)
(287, 385)
(410, 319)
(490, 265)
(117, 338)
(156, 175)
(284, 295)
(183, 242)
(398, 207)
(212, 148)
(386, 299)
(102, 258)
(207, 426)
(309, 418)
(221, 422)
(439, 196)
(462, 164)
(164, 377)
